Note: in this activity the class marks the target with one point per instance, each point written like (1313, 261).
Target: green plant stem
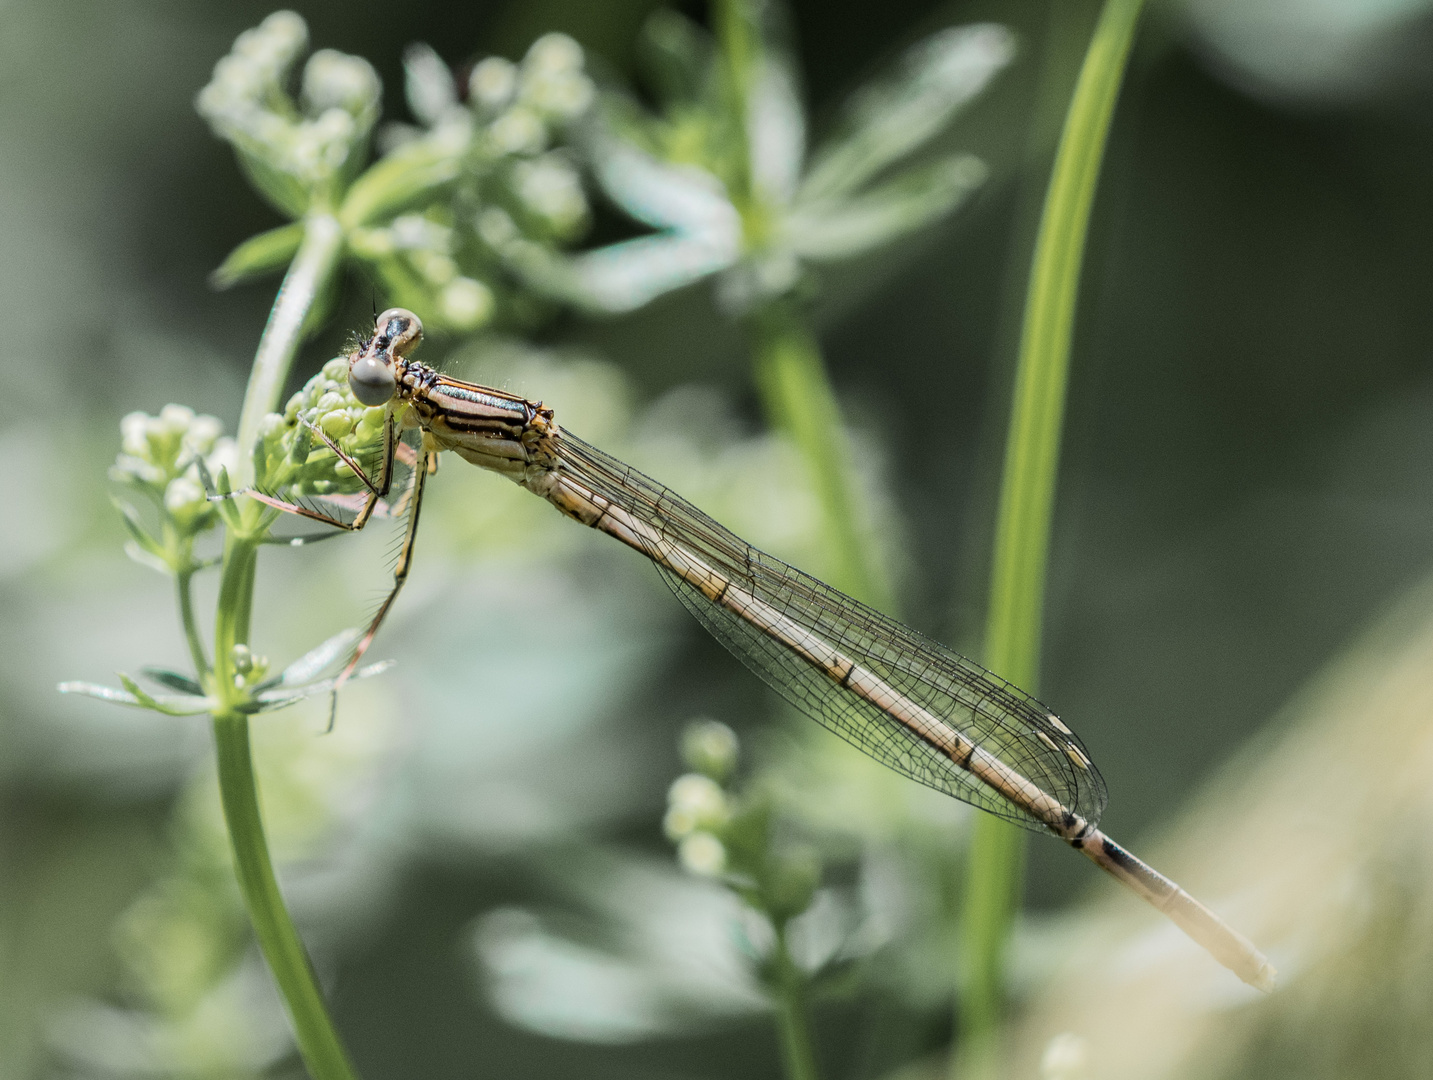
(310, 272)
(1027, 496)
(313, 268)
(798, 1058)
(318, 1042)
(185, 597)
(799, 401)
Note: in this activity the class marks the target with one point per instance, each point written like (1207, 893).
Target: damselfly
(909, 702)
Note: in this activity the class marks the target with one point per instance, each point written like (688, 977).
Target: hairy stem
(1027, 497)
(313, 267)
(799, 401)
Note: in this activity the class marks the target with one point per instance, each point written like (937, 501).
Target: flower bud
(702, 854)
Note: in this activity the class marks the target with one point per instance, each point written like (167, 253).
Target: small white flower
(183, 495)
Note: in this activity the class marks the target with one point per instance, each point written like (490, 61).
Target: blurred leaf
(676, 55)
(659, 194)
(172, 679)
(285, 193)
(316, 659)
(169, 705)
(776, 130)
(916, 197)
(270, 700)
(896, 116)
(622, 277)
(411, 173)
(258, 255)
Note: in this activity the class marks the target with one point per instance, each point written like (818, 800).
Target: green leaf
(133, 696)
(261, 254)
(174, 680)
(897, 115)
(167, 704)
(285, 193)
(279, 698)
(315, 660)
(839, 229)
(411, 173)
(775, 130)
(139, 534)
(676, 56)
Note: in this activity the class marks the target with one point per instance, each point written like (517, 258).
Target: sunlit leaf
(897, 115)
(659, 194)
(261, 254)
(133, 696)
(838, 229)
(280, 698)
(309, 665)
(625, 276)
(776, 130)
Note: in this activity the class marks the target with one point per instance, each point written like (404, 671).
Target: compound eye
(371, 381)
(402, 328)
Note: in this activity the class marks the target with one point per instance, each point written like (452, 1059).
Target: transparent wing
(999, 718)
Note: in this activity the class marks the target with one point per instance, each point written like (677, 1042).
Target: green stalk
(313, 267)
(183, 579)
(311, 270)
(799, 401)
(798, 1058)
(1027, 497)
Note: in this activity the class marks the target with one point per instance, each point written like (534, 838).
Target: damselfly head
(370, 373)
(398, 330)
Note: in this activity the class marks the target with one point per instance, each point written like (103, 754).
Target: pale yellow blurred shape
(1314, 842)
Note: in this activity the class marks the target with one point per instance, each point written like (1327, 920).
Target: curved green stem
(798, 399)
(308, 275)
(182, 581)
(1027, 497)
(322, 1051)
(312, 269)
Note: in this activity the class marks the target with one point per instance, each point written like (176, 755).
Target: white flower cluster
(161, 455)
(245, 102)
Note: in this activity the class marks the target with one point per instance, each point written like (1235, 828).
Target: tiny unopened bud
(701, 796)
(242, 658)
(702, 854)
(518, 131)
(492, 83)
(710, 747)
(335, 80)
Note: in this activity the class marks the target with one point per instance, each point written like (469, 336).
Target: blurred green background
(1246, 483)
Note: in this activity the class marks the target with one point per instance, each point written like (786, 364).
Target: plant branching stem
(313, 268)
(1027, 497)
